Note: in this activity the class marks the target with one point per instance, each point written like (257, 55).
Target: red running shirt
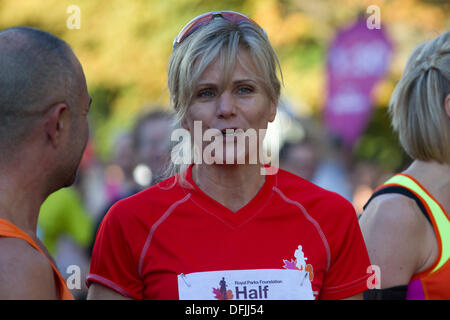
(293, 240)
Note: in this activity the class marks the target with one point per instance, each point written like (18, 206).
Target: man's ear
(447, 105)
(56, 122)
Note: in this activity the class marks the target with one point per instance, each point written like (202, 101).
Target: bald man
(44, 104)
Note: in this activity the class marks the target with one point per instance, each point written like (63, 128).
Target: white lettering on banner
(258, 284)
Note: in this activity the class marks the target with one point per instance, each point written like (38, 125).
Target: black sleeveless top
(403, 191)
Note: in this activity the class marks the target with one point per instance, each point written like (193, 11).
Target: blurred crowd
(70, 217)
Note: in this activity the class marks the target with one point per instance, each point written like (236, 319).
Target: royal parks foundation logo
(244, 290)
(222, 293)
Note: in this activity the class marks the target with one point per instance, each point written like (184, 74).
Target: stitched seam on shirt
(109, 283)
(153, 228)
(211, 213)
(312, 220)
(226, 222)
(243, 222)
(345, 286)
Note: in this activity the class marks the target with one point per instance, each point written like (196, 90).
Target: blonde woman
(221, 228)
(406, 222)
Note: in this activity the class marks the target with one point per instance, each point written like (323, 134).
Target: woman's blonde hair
(417, 104)
(219, 39)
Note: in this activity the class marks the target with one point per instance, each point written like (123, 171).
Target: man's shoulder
(18, 250)
(24, 272)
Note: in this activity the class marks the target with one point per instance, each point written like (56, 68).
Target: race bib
(259, 284)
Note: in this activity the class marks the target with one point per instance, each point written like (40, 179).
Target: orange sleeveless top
(433, 283)
(7, 229)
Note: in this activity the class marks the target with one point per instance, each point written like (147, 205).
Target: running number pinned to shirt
(259, 284)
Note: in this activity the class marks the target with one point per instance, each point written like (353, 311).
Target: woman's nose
(226, 105)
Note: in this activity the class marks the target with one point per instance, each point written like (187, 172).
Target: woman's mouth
(231, 132)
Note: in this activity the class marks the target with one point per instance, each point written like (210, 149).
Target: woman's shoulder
(299, 187)
(321, 204)
(329, 211)
(392, 209)
(152, 199)
(397, 236)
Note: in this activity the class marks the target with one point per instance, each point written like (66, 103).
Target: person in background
(119, 179)
(406, 223)
(151, 142)
(332, 172)
(140, 159)
(120, 182)
(366, 177)
(223, 221)
(44, 103)
(300, 158)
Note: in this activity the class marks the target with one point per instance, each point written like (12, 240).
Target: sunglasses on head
(201, 20)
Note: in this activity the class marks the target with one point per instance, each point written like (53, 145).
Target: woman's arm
(99, 292)
(397, 238)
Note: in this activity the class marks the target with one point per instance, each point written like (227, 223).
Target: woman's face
(242, 104)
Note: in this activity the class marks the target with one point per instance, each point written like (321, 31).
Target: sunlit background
(124, 46)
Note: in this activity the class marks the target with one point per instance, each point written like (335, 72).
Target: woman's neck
(434, 176)
(429, 172)
(232, 186)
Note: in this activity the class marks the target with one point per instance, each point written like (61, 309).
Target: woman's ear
(447, 105)
(185, 123)
(273, 110)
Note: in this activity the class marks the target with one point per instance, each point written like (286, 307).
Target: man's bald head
(37, 70)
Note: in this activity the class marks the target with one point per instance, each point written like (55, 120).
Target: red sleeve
(347, 274)
(114, 263)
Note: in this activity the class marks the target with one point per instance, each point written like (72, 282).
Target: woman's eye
(205, 93)
(245, 90)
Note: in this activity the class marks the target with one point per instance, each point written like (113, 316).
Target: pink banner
(357, 59)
